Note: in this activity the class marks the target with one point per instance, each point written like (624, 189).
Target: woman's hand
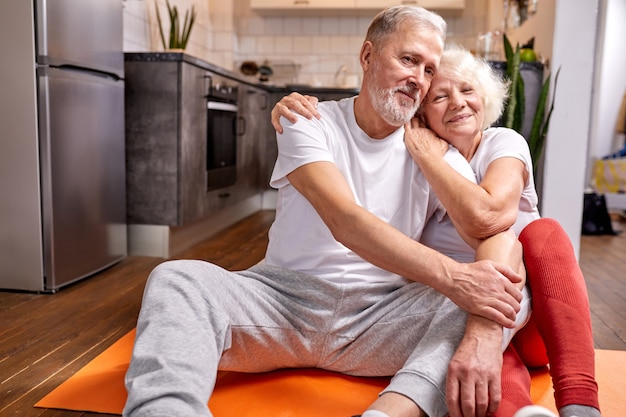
(422, 142)
(303, 105)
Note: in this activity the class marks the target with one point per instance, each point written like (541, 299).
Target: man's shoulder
(335, 114)
(334, 105)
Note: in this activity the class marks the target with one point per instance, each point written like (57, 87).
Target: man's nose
(419, 80)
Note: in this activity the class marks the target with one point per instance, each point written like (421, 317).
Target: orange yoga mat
(99, 387)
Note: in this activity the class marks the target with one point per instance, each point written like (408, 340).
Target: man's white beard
(395, 111)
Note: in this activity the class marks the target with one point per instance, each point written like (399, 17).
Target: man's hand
(473, 386)
(304, 105)
(486, 289)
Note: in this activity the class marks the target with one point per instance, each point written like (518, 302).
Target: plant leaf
(520, 107)
(508, 49)
(512, 72)
(187, 27)
(173, 27)
(544, 131)
(539, 118)
(178, 36)
(158, 15)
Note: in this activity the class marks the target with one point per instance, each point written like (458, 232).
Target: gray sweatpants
(197, 318)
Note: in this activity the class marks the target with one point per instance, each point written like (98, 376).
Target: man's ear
(366, 54)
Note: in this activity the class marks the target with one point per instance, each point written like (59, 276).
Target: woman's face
(453, 110)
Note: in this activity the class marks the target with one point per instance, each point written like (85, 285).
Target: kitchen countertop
(171, 56)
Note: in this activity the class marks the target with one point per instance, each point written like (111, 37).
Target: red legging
(560, 325)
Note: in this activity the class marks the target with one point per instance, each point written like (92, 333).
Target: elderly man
(345, 286)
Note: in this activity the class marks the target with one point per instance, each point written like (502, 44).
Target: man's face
(402, 68)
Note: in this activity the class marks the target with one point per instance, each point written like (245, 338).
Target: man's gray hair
(389, 20)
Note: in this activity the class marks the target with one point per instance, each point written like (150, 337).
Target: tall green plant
(179, 35)
(514, 110)
(541, 121)
(516, 104)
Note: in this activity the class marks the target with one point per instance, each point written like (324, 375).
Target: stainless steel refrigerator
(62, 158)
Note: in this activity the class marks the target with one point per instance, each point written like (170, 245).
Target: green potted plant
(178, 35)
(514, 111)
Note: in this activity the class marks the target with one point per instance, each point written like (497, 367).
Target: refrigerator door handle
(43, 116)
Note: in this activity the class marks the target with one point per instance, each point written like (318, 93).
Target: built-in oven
(222, 132)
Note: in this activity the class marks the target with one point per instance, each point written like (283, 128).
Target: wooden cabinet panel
(192, 148)
(301, 4)
(151, 118)
(352, 4)
(427, 4)
(254, 105)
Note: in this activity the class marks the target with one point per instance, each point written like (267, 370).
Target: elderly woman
(465, 98)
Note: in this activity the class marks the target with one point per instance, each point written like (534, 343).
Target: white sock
(574, 410)
(374, 413)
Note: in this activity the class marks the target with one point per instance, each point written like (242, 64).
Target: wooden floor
(44, 338)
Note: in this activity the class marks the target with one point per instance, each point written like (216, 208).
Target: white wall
(212, 37)
(573, 51)
(610, 84)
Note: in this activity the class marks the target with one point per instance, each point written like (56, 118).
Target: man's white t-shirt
(497, 142)
(381, 174)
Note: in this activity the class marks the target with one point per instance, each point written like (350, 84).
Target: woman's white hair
(459, 64)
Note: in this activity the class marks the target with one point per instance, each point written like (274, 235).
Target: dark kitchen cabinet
(165, 126)
(254, 118)
(152, 135)
(166, 143)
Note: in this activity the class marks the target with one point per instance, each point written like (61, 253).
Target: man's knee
(179, 274)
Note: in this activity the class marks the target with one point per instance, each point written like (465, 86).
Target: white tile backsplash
(293, 26)
(349, 26)
(252, 26)
(329, 26)
(311, 26)
(229, 32)
(284, 45)
(302, 44)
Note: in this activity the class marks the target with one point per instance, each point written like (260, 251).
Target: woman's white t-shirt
(384, 180)
(497, 142)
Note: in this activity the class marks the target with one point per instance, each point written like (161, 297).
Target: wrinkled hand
(473, 386)
(487, 289)
(303, 105)
(422, 142)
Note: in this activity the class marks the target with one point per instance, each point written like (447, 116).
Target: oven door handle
(216, 105)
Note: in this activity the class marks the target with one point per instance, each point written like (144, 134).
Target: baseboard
(148, 240)
(167, 241)
(269, 199)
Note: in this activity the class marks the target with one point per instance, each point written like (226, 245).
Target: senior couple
(393, 253)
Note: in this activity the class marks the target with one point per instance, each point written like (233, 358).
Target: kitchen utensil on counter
(285, 72)
(249, 68)
(266, 71)
(489, 46)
